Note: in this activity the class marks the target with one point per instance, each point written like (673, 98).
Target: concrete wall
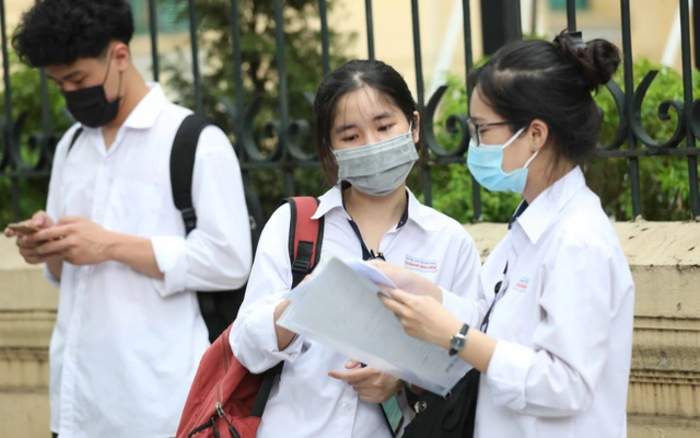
(664, 398)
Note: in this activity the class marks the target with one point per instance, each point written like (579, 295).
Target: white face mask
(380, 168)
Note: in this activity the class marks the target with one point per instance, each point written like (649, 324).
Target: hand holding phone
(23, 228)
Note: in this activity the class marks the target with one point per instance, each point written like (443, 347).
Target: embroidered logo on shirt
(521, 284)
(420, 265)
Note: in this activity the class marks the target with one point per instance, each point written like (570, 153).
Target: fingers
(34, 259)
(373, 398)
(40, 219)
(354, 376)
(352, 363)
(378, 263)
(9, 233)
(69, 220)
(54, 233)
(23, 242)
(399, 295)
(390, 303)
(54, 247)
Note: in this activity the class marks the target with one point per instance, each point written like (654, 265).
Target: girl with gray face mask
(368, 137)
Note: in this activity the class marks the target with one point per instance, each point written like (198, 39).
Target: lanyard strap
(496, 290)
(367, 254)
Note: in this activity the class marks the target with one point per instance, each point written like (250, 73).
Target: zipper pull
(220, 410)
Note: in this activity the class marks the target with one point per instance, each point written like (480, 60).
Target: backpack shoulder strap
(305, 243)
(182, 164)
(76, 134)
(305, 237)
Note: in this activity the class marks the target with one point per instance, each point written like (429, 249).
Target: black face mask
(89, 106)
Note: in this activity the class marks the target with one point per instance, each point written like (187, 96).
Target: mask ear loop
(513, 138)
(527, 163)
(109, 67)
(121, 75)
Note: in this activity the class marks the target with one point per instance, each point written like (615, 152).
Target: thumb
(68, 220)
(39, 219)
(352, 363)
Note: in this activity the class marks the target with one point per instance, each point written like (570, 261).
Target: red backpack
(226, 400)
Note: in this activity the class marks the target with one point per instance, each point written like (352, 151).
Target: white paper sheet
(338, 307)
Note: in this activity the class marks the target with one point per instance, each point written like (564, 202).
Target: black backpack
(219, 309)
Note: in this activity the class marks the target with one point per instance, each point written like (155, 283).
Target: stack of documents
(339, 308)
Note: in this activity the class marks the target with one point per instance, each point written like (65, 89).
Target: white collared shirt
(125, 347)
(563, 321)
(306, 402)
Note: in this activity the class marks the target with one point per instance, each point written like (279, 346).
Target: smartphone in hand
(23, 229)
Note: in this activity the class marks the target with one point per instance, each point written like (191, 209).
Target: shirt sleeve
(53, 201)
(217, 254)
(463, 299)
(253, 337)
(559, 375)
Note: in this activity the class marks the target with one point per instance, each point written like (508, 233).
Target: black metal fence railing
(631, 141)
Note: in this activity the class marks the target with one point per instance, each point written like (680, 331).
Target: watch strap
(463, 332)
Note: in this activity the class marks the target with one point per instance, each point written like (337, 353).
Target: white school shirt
(126, 346)
(306, 402)
(563, 321)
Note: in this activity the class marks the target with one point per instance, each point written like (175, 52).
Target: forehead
(479, 110)
(363, 104)
(60, 72)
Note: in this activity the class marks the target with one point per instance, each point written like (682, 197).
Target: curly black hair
(59, 32)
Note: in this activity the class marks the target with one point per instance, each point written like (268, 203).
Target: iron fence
(631, 141)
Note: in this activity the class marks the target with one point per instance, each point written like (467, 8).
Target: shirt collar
(538, 216)
(146, 112)
(416, 212)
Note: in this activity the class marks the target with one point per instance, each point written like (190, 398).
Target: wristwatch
(459, 341)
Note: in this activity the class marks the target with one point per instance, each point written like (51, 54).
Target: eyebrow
(342, 128)
(66, 77)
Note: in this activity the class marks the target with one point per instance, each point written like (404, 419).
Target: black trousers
(54, 435)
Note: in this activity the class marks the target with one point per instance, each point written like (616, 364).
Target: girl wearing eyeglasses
(551, 329)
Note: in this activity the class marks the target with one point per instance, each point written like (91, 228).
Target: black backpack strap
(305, 243)
(76, 134)
(182, 158)
(182, 165)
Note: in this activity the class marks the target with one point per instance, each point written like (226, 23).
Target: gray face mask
(380, 168)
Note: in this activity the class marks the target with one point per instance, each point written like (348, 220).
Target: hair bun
(598, 61)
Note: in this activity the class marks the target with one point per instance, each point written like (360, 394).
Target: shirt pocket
(134, 207)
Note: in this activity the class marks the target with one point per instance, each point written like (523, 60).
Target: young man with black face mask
(129, 333)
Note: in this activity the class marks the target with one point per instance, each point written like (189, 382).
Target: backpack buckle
(190, 218)
(301, 267)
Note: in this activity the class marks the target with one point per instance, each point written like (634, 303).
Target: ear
(416, 126)
(537, 133)
(122, 56)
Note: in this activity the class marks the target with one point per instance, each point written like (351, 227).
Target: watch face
(458, 342)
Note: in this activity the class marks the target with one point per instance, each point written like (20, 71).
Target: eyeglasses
(475, 128)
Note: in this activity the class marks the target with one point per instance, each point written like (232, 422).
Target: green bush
(26, 98)
(261, 76)
(664, 180)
